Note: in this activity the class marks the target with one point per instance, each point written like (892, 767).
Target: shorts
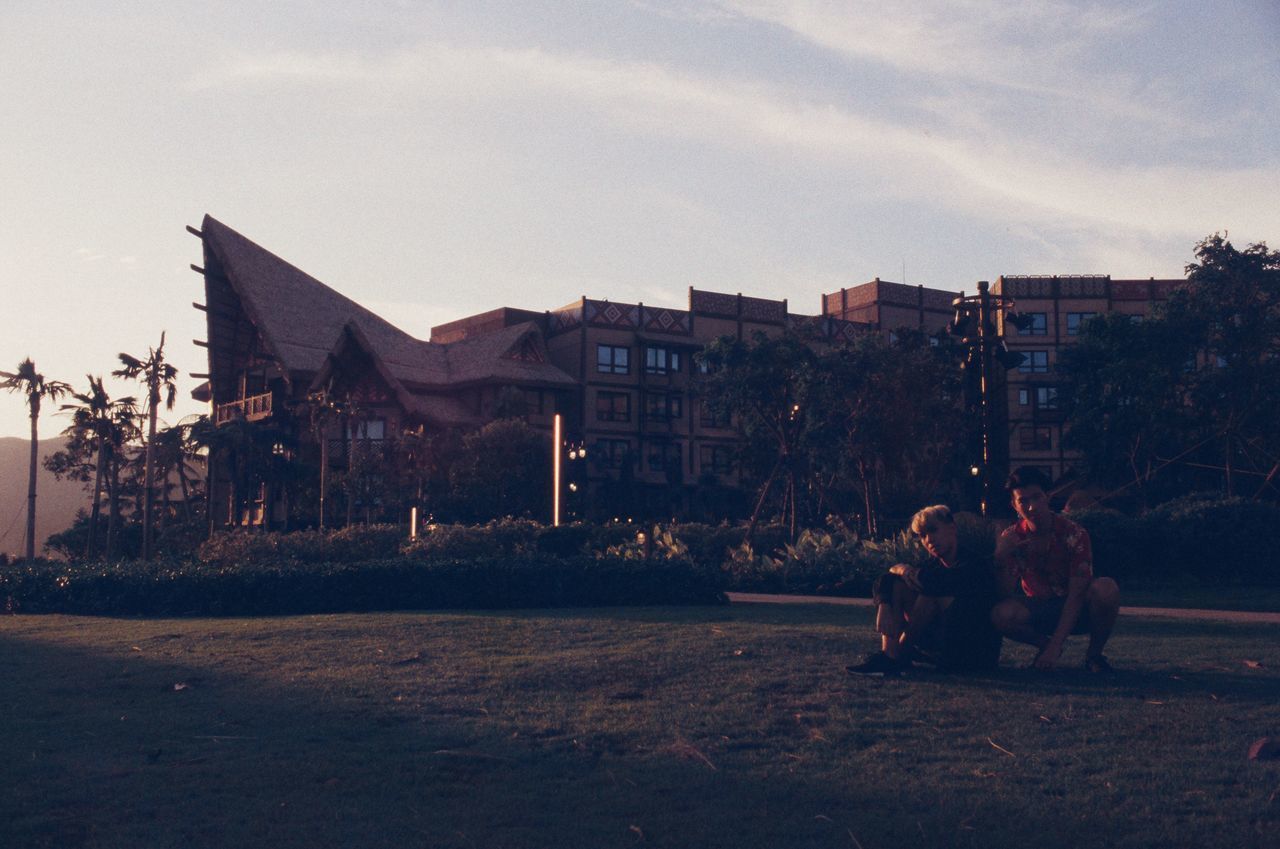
(1045, 613)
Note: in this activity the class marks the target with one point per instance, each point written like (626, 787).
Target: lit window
(661, 360)
(613, 359)
(1076, 321)
(1037, 362)
(1039, 324)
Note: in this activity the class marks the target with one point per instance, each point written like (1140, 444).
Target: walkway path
(1171, 612)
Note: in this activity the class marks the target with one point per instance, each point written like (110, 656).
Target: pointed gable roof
(301, 321)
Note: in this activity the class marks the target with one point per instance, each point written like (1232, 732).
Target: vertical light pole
(555, 471)
(984, 343)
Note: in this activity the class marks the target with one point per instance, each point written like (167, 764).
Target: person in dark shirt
(937, 611)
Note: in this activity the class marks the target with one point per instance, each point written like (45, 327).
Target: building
(282, 346)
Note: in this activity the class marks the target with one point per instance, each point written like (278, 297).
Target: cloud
(1002, 174)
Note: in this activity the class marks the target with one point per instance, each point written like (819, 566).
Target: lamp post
(975, 321)
(559, 447)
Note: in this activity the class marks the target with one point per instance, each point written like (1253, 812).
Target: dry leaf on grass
(180, 686)
(687, 750)
(1253, 664)
(1265, 749)
(1001, 748)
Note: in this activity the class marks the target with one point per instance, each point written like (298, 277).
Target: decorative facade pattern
(713, 303)
(609, 314)
(760, 309)
(566, 319)
(666, 321)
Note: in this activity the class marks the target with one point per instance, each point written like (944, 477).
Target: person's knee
(1009, 615)
(1104, 592)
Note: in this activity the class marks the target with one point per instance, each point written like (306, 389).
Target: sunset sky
(431, 160)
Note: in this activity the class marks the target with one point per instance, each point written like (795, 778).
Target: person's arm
(1006, 566)
(1081, 575)
(909, 574)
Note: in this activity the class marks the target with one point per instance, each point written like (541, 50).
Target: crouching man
(938, 611)
(1050, 559)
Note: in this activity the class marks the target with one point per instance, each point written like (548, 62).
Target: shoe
(880, 664)
(1098, 663)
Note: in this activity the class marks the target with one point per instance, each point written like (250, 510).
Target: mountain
(56, 501)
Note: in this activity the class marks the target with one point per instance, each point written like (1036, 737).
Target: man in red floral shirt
(1050, 559)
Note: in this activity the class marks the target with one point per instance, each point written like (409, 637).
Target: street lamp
(975, 322)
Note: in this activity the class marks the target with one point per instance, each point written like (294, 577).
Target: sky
(432, 160)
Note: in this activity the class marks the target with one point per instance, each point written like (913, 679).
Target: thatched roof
(301, 322)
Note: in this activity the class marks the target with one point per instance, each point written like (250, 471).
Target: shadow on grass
(112, 747)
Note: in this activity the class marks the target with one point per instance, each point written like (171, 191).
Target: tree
(1123, 394)
(891, 423)
(1193, 392)
(159, 377)
(765, 385)
(1232, 305)
(27, 381)
(99, 429)
(503, 469)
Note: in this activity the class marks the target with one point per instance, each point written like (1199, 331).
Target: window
(661, 361)
(662, 407)
(1046, 397)
(717, 459)
(709, 417)
(1024, 397)
(1076, 321)
(367, 429)
(664, 456)
(611, 453)
(613, 359)
(1037, 362)
(1033, 438)
(1039, 324)
(613, 407)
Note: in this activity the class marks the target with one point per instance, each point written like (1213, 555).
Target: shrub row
(1196, 539)
(400, 583)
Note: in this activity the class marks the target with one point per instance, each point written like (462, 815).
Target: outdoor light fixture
(975, 321)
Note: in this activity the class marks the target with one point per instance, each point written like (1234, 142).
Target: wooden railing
(252, 409)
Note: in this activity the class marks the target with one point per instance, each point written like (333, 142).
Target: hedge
(400, 583)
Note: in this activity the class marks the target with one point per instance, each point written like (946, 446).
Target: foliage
(353, 544)
(867, 428)
(31, 383)
(504, 469)
(274, 585)
(1192, 393)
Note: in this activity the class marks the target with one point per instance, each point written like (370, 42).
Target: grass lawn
(661, 727)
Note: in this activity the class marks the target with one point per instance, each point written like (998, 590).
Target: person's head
(1028, 489)
(936, 528)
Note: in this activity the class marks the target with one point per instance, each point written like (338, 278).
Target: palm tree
(107, 424)
(34, 385)
(157, 375)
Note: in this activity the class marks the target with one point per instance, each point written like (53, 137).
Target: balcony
(253, 408)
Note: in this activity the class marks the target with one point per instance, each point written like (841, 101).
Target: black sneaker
(880, 664)
(1098, 663)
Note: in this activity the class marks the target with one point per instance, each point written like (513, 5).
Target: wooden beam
(197, 375)
(200, 307)
(197, 269)
(193, 231)
(199, 343)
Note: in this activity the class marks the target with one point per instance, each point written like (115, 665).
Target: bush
(168, 588)
(354, 544)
